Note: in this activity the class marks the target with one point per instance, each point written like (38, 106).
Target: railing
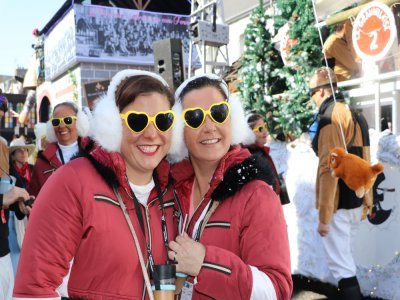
(376, 85)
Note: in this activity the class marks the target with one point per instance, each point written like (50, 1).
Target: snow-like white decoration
(299, 164)
(389, 149)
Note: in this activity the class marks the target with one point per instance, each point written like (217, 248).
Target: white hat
(20, 144)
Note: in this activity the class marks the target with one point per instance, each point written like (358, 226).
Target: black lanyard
(61, 154)
(164, 228)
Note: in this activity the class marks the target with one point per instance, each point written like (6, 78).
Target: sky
(18, 18)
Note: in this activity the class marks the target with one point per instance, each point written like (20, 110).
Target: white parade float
(376, 246)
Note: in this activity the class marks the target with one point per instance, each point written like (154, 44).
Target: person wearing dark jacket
(22, 171)
(67, 124)
(113, 210)
(11, 198)
(236, 246)
(259, 128)
(19, 166)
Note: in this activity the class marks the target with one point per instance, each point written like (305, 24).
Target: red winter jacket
(46, 163)
(77, 215)
(246, 229)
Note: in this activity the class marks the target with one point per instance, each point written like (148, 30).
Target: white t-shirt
(142, 192)
(68, 151)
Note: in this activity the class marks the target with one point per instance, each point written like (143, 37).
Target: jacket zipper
(191, 218)
(148, 227)
(146, 207)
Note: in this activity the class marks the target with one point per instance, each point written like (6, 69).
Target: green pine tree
(267, 86)
(260, 59)
(295, 114)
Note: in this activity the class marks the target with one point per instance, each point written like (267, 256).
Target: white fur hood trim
(106, 126)
(178, 150)
(241, 132)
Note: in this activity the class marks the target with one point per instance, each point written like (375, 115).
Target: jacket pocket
(103, 198)
(219, 224)
(48, 171)
(217, 267)
(167, 204)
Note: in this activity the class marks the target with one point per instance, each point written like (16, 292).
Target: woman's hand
(188, 254)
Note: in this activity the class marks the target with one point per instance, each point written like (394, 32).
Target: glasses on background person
(260, 128)
(313, 90)
(67, 121)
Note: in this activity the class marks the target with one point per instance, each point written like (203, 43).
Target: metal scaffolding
(208, 39)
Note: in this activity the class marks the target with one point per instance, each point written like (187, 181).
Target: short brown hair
(134, 86)
(322, 75)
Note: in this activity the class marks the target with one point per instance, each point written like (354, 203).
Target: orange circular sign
(374, 31)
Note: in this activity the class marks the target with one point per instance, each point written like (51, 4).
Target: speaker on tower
(168, 61)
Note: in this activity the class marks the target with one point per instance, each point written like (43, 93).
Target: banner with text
(59, 47)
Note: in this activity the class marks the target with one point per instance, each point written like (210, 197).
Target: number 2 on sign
(374, 35)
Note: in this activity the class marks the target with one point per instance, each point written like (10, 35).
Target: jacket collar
(328, 101)
(111, 166)
(183, 172)
(235, 170)
(50, 154)
(255, 147)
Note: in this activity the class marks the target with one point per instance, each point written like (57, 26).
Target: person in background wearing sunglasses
(112, 210)
(259, 127)
(236, 246)
(67, 124)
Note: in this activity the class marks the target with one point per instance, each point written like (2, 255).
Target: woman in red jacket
(236, 245)
(63, 130)
(112, 211)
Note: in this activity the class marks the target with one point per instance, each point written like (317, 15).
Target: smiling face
(66, 135)
(211, 141)
(143, 151)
